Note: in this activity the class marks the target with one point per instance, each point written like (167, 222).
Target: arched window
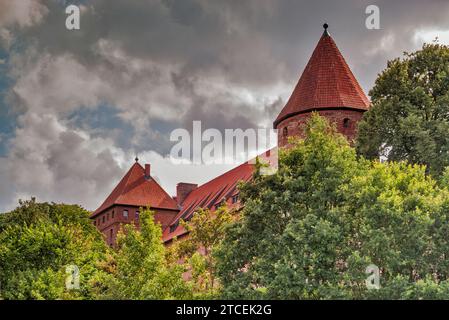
(346, 123)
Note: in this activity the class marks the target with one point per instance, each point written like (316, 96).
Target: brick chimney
(183, 189)
(147, 171)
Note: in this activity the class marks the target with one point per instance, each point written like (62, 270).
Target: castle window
(346, 123)
(235, 198)
(112, 214)
(111, 234)
(104, 219)
(136, 217)
(107, 217)
(125, 214)
(285, 131)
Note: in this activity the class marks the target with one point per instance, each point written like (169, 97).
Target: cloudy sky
(77, 106)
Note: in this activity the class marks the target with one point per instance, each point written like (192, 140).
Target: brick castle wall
(345, 121)
(109, 221)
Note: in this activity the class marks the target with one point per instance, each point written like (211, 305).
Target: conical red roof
(326, 82)
(136, 190)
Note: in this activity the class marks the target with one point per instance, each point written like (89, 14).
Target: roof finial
(137, 159)
(325, 26)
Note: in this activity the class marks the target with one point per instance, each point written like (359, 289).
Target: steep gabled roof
(208, 195)
(136, 190)
(326, 82)
(213, 192)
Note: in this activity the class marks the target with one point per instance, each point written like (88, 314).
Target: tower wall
(345, 120)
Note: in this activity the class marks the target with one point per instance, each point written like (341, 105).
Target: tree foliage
(310, 230)
(139, 268)
(38, 241)
(206, 231)
(409, 117)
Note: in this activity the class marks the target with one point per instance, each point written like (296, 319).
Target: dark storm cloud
(160, 64)
(252, 44)
(230, 36)
(211, 110)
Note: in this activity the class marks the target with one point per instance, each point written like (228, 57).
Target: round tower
(327, 86)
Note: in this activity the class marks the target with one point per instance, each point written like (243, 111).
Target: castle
(326, 86)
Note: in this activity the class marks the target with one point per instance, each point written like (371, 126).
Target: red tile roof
(326, 82)
(213, 192)
(136, 190)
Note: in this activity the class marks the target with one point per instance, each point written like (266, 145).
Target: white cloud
(224, 63)
(24, 13)
(58, 84)
(169, 174)
(383, 46)
(429, 35)
(53, 162)
(6, 38)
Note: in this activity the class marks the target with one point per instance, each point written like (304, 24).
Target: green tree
(139, 268)
(206, 231)
(37, 243)
(291, 215)
(409, 117)
(401, 223)
(310, 230)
